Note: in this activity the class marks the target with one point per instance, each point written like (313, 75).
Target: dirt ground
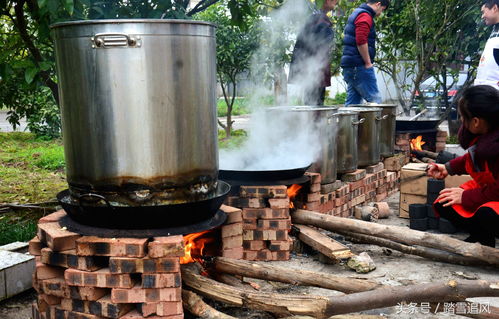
(393, 268)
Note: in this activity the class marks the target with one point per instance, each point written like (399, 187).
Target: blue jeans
(361, 84)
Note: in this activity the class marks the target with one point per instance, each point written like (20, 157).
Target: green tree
(27, 64)
(235, 46)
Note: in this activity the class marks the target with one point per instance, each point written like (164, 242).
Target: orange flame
(195, 246)
(417, 143)
(292, 192)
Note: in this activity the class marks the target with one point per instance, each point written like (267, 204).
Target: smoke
(278, 138)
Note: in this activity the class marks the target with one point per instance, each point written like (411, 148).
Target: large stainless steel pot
(346, 144)
(368, 136)
(138, 109)
(388, 124)
(325, 122)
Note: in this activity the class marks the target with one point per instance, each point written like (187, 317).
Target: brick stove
(435, 140)
(88, 277)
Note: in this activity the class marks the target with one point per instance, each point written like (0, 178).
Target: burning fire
(195, 245)
(292, 192)
(417, 143)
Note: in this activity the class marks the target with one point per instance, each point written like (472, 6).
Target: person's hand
(450, 196)
(368, 65)
(437, 171)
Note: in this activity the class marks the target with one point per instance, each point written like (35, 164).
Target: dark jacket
(313, 50)
(351, 55)
(486, 150)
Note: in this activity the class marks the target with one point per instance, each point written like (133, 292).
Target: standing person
(474, 206)
(488, 68)
(359, 49)
(311, 61)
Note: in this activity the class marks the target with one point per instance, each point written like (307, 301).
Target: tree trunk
(399, 234)
(429, 253)
(195, 305)
(267, 271)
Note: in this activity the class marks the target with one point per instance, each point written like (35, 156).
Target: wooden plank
(322, 243)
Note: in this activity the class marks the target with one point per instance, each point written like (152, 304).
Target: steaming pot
(325, 122)
(138, 109)
(368, 147)
(346, 144)
(387, 130)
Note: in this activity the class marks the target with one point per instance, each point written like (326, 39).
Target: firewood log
(195, 305)
(296, 276)
(398, 234)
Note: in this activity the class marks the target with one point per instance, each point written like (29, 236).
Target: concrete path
(5, 126)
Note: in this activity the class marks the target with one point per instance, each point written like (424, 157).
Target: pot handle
(362, 120)
(109, 40)
(384, 117)
(100, 197)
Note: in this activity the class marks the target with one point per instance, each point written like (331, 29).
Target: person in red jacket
(474, 206)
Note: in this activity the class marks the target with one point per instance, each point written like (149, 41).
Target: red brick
(102, 307)
(354, 176)
(265, 213)
(43, 271)
(250, 254)
(35, 246)
(56, 237)
(315, 178)
(171, 246)
(265, 235)
(315, 188)
(144, 265)
(102, 278)
(357, 184)
(277, 245)
(254, 244)
(59, 288)
(232, 230)
(249, 224)
(246, 202)
(279, 191)
(264, 224)
(69, 259)
(138, 294)
(314, 206)
(279, 202)
(313, 197)
(51, 300)
(161, 280)
(234, 215)
(232, 242)
(280, 255)
(136, 315)
(264, 255)
(115, 247)
(234, 253)
(52, 218)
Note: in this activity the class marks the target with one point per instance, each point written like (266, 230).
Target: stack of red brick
(258, 224)
(371, 184)
(86, 277)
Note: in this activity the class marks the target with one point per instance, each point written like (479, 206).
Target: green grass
(452, 139)
(14, 227)
(237, 138)
(240, 107)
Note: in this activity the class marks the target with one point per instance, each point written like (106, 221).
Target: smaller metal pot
(368, 146)
(346, 141)
(387, 127)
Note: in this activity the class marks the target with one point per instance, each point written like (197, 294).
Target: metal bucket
(368, 145)
(326, 123)
(138, 102)
(347, 139)
(388, 124)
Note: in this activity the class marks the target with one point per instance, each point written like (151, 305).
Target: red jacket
(486, 150)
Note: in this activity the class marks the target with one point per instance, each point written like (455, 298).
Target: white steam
(278, 138)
